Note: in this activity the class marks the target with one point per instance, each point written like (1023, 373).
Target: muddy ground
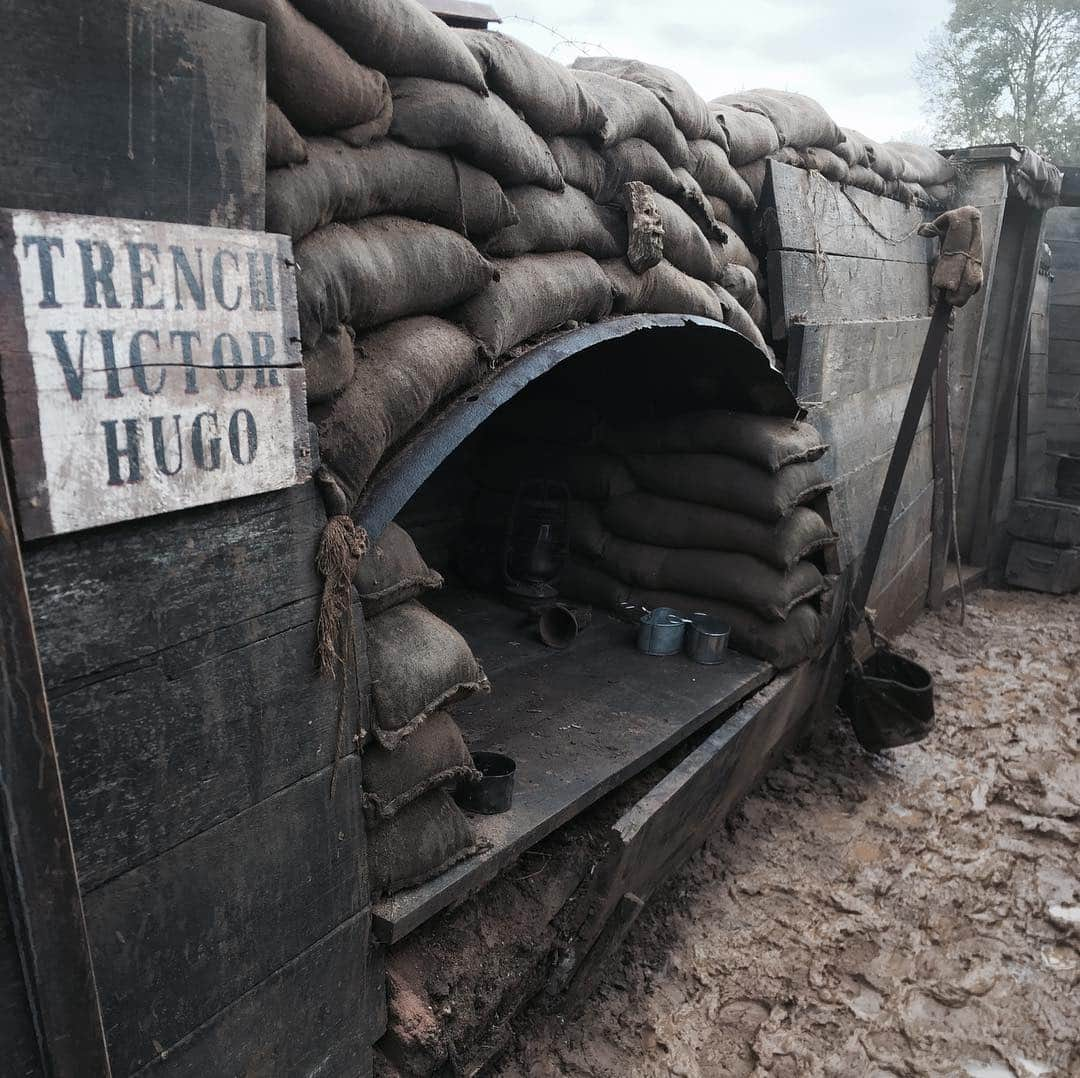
(916, 913)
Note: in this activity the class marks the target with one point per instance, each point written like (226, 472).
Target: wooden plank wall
(849, 284)
(1063, 358)
(225, 888)
(1035, 478)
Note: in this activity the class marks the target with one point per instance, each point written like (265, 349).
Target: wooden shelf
(578, 722)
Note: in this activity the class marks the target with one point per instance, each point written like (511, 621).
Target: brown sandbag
(284, 144)
(552, 101)
(434, 756)
(591, 475)
(484, 130)
(735, 250)
(726, 215)
(687, 107)
(399, 37)
(422, 841)
(550, 221)
(829, 164)
(685, 245)
(698, 205)
(765, 441)
(314, 80)
(750, 135)
(736, 316)
(740, 282)
(636, 159)
(634, 112)
(581, 166)
(668, 522)
(799, 120)
(329, 364)
(729, 483)
(865, 179)
(922, 164)
(381, 269)
(403, 370)
(710, 167)
(390, 572)
(535, 294)
(360, 135)
(340, 183)
(661, 290)
(419, 665)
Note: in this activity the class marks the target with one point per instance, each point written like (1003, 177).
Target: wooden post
(943, 484)
(37, 858)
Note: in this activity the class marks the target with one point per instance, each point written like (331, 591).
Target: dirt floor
(916, 913)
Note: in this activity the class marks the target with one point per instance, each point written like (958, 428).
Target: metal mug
(661, 631)
(561, 624)
(707, 639)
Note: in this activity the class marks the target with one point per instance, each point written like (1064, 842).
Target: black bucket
(889, 700)
(493, 792)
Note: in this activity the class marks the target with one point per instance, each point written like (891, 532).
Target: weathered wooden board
(1065, 254)
(182, 936)
(900, 601)
(146, 367)
(150, 109)
(318, 1014)
(1066, 287)
(805, 287)
(1064, 322)
(808, 213)
(20, 1049)
(907, 534)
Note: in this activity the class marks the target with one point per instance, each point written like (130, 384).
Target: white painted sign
(145, 367)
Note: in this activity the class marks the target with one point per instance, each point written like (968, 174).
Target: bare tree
(1007, 71)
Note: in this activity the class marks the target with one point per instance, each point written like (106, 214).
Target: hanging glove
(958, 271)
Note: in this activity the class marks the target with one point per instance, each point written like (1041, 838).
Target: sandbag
(799, 120)
(399, 37)
(484, 130)
(727, 216)
(685, 245)
(880, 159)
(765, 441)
(591, 475)
(660, 290)
(329, 364)
(667, 522)
(697, 205)
(759, 312)
(740, 282)
(940, 194)
(687, 107)
(419, 664)
(544, 91)
(865, 179)
(853, 149)
(753, 175)
(536, 294)
(422, 841)
(736, 316)
(710, 167)
(434, 756)
(551, 221)
(392, 571)
(734, 249)
(636, 159)
(380, 269)
(634, 112)
(340, 183)
(829, 164)
(729, 483)
(403, 370)
(314, 80)
(284, 144)
(738, 578)
(581, 166)
(921, 164)
(360, 135)
(750, 135)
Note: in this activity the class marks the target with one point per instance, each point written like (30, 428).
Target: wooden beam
(39, 871)
(943, 484)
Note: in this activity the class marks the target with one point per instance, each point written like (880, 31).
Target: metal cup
(707, 638)
(560, 625)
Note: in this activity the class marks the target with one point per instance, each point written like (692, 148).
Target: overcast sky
(854, 57)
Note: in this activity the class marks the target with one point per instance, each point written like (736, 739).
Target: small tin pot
(661, 631)
(560, 625)
(707, 639)
(493, 792)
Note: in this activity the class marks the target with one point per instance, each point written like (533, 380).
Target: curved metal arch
(403, 472)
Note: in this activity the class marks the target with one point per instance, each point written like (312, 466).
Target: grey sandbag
(687, 107)
(581, 166)
(753, 175)
(740, 282)
(832, 166)
(484, 130)
(634, 112)
(941, 194)
(535, 294)
(865, 179)
(329, 364)
(590, 474)
(390, 572)
(922, 164)
(739, 578)
(853, 149)
(399, 37)
(434, 756)
(765, 441)
(729, 483)
(403, 370)
(759, 312)
(698, 205)
(661, 290)
(544, 91)
(380, 269)
(685, 245)
(341, 183)
(711, 168)
(636, 159)
(424, 839)
(750, 135)
(738, 318)
(314, 80)
(419, 664)
(799, 120)
(735, 250)
(667, 522)
(551, 221)
(879, 158)
(284, 144)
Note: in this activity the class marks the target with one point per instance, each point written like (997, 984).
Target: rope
(874, 228)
